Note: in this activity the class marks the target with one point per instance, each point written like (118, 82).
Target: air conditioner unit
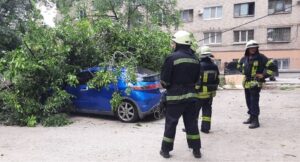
(200, 12)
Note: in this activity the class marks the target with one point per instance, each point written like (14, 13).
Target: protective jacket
(250, 65)
(209, 79)
(179, 75)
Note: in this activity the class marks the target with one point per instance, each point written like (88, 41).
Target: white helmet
(204, 51)
(182, 37)
(252, 44)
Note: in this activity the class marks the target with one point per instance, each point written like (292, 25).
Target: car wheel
(127, 112)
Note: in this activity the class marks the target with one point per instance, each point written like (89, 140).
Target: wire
(249, 22)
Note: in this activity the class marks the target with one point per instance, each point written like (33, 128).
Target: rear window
(147, 75)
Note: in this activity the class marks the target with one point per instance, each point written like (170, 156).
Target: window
(279, 34)
(243, 36)
(213, 38)
(212, 13)
(84, 77)
(187, 15)
(244, 9)
(283, 63)
(280, 6)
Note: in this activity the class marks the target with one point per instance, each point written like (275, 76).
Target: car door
(84, 96)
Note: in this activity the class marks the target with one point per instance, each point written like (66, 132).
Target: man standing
(179, 75)
(207, 85)
(255, 67)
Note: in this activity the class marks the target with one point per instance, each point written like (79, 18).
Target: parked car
(143, 99)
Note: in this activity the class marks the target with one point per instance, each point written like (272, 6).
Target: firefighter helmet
(182, 37)
(204, 51)
(252, 44)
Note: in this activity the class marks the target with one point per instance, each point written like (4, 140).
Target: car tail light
(147, 87)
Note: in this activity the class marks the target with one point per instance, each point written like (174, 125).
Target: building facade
(226, 26)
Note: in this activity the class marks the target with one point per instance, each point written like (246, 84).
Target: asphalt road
(98, 138)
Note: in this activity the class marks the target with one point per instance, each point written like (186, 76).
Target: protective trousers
(205, 104)
(252, 100)
(189, 111)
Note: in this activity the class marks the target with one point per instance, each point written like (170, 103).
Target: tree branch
(113, 10)
(29, 49)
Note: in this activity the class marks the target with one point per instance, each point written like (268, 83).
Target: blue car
(143, 99)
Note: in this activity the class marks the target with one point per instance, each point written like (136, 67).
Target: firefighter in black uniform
(255, 67)
(179, 75)
(207, 85)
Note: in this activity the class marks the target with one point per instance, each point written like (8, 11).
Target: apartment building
(226, 26)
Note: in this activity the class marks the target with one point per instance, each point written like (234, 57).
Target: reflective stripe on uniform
(193, 137)
(185, 60)
(270, 72)
(254, 68)
(238, 66)
(269, 63)
(169, 140)
(251, 84)
(206, 118)
(205, 95)
(205, 77)
(181, 97)
(243, 69)
(205, 89)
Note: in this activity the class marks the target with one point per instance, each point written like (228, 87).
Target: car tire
(127, 112)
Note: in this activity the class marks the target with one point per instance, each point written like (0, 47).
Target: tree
(50, 58)
(134, 12)
(13, 16)
(131, 13)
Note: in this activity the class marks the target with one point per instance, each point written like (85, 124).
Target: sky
(48, 11)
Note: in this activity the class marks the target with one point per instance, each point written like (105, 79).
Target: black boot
(249, 120)
(205, 131)
(254, 123)
(197, 153)
(164, 154)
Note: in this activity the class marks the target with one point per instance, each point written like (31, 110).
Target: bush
(56, 120)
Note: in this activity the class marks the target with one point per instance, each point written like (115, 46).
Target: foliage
(56, 120)
(13, 17)
(135, 12)
(130, 13)
(116, 100)
(50, 58)
(64, 5)
(37, 71)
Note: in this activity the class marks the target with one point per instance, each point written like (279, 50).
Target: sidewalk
(280, 82)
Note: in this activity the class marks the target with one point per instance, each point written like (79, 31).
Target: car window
(147, 75)
(144, 72)
(84, 77)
